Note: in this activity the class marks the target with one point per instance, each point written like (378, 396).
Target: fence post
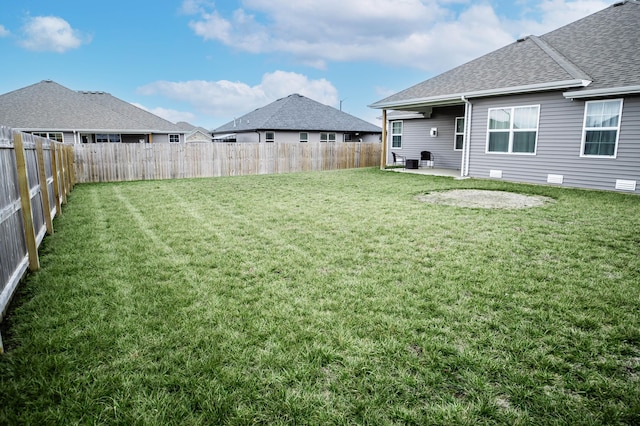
(63, 173)
(71, 168)
(44, 188)
(56, 181)
(25, 201)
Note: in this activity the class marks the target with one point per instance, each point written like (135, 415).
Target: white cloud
(169, 114)
(433, 35)
(51, 34)
(3, 31)
(553, 14)
(226, 99)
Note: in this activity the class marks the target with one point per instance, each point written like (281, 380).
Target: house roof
(191, 128)
(296, 112)
(50, 106)
(594, 55)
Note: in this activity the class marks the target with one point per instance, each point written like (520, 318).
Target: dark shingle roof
(49, 106)
(190, 127)
(601, 48)
(296, 112)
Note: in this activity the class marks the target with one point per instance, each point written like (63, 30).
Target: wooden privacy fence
(36, 175)
(122, 162)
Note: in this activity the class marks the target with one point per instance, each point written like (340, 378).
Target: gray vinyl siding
(416, 138)
(559, 145)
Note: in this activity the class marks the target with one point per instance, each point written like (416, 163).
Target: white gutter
(610, 91)
(466, 149)
(455, 98)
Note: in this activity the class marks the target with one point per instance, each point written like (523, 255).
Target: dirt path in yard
(485, 199)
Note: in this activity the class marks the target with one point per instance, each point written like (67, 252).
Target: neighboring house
(51, 110)
(297, 119)
(194, 133)
(562, 108)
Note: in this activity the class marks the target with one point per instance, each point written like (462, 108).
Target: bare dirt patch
(485, 199)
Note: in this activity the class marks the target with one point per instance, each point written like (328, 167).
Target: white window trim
(617, 129)
(391, 134)
(174, 134)
(456, 134)
(510, 130)
(267, 139)
(304, 140)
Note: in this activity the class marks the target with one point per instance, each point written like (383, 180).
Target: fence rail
(36, 175)
(123, 162)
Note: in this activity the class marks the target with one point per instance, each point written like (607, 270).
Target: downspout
(383, 153)
(468, 113)
(258, 132)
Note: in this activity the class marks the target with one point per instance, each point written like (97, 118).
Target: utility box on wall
(433, 132)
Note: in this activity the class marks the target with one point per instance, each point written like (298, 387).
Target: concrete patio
(432, 171)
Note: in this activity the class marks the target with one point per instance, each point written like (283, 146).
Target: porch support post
(383, 154)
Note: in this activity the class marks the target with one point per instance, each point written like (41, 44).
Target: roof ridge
(560, 59)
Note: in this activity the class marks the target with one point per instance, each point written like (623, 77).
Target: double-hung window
(304, 137)
(601, 128)
(459, 134)
(396, 134)
(513, 130)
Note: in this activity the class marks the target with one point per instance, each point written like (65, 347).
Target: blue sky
(206, 62)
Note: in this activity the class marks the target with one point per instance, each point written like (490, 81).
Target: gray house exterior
(297, 119)
(51, 110)
(562, 108)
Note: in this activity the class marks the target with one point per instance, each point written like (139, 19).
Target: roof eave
(458, 98)
(609, 91)
(79, 130)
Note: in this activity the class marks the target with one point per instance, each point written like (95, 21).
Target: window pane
(600, 142)
(499, 118)
(524, 142)
(459, 125)
(396, 127)
(498, 142)
(459, 141)
(525, 118)
(603, 114)
(396, 141)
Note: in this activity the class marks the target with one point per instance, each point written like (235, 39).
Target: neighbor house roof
(50, 106)
(592, 56)
(296, 112)
(191, 128)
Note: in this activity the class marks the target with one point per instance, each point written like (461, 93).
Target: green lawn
(328, 298)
